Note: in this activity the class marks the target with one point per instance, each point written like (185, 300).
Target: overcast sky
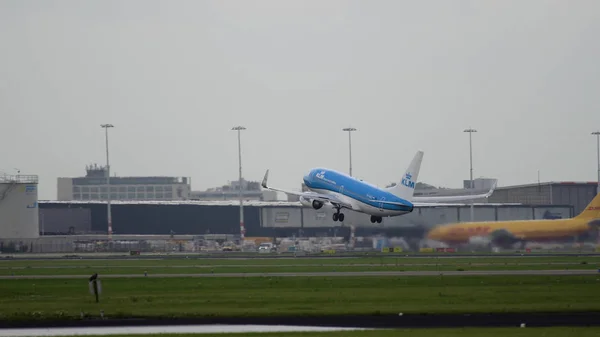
(175, 76)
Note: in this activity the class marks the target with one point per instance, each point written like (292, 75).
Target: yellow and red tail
(592, 210)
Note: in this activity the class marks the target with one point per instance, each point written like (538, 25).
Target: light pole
(597, 134)
(470, 131)
(242, 228)
(349, 130)
(108, 215)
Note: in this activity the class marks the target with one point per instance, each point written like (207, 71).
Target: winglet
(492, 189)
(264, 181)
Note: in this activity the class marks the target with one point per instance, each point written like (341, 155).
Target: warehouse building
(262, 218)
(577, 194)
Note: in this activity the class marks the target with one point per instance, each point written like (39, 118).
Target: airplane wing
(308, 195)
(451, 198)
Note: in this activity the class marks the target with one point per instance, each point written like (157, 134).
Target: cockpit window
(310, 176)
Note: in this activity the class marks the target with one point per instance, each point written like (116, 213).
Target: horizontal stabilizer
(390, 203)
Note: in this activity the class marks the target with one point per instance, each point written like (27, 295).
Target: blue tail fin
(405, 189)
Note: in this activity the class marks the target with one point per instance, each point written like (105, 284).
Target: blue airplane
(345, 192)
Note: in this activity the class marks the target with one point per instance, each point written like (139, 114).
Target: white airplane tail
(405, 189)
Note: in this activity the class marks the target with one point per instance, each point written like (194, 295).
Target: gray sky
(175, 76)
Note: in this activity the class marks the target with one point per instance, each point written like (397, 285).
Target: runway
(174, 329)
(275, 323)
(327, 274)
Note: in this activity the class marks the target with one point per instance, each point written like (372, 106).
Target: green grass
(189, 297)
(298, 261)
(194, 266)
(459, 332)
(88, 270)
(217, 254)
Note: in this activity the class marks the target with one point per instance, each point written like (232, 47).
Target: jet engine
(503, 238)
(316, 204)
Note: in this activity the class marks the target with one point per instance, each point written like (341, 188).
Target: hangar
(578, 194)
(262, 218)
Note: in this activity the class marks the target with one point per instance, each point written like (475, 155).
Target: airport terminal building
(263, 218)
(149, 216)
(93, 187)
(268, 218)
(577, 194)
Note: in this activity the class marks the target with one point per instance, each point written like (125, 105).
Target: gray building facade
(425, 217)
(93, 187)
(576, 194)
(261, 218)
(251, 190)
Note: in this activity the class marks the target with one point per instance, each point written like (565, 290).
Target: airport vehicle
(267, 247)
(345, 192)
(507, 233)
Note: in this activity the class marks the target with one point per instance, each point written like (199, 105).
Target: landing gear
(375, 219)
(338, 216)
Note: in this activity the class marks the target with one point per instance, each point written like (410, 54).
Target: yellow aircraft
(507, 233)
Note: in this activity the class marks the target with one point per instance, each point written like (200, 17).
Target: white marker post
(95, 286)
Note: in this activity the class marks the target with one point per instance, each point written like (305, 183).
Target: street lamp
(108, 215)
(471, 184)
(597, 134)
(349, 130)
(242, 228)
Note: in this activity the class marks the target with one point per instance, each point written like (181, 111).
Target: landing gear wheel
(335, 216)
(341, 217)
(379, 219)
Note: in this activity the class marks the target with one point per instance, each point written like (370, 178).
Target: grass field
(587, 251)
(280, 269)
(195, 266)
(467, 332)
(187, 297)
(301, 261)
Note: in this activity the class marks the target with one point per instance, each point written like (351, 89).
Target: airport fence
(161, 246)
(134, 247)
